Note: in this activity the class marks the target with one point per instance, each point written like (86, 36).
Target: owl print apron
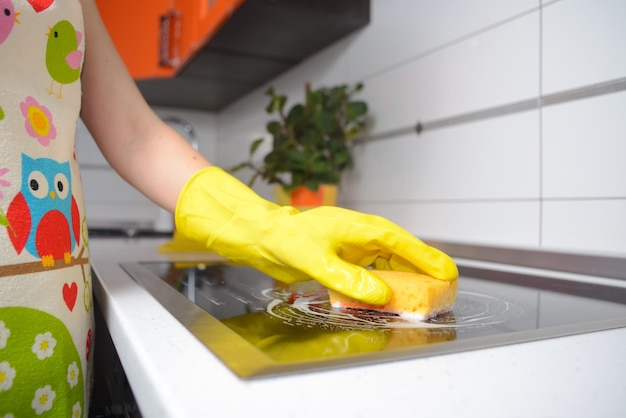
(46, 309)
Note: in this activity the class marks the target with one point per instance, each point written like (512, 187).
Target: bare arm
(145, 151)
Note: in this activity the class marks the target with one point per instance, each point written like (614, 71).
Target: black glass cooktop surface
(259, 327)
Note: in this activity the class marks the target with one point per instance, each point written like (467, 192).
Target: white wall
(547, 173)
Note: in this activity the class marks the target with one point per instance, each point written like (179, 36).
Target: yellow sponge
(413, 296)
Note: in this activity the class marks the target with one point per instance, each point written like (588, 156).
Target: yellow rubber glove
(329, 244)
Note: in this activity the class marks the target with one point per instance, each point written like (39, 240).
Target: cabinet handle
(169, 48)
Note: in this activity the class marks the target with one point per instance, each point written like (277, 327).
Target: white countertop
(173, 375)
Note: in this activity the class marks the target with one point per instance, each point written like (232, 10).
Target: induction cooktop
(260, 327)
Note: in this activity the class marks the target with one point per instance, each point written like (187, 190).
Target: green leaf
(297, 180)
(330, 177)
(326, 122)
(297, 159)
(280, 103)
(342, 156)
(355, 110)
(295, 115)
(280, 143)
(320, 166)
(312, 184)
(271, 157)
(4, 221)
(255, 145)
(277, 102)
(274, 127)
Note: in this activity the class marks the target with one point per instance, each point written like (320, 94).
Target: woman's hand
(329, 244)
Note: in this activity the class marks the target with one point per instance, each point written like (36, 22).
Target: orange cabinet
(156, 38)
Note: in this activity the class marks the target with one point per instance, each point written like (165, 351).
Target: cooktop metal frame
(247, 361)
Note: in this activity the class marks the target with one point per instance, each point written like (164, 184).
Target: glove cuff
(211, 199)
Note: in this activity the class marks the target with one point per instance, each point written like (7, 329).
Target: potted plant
(311, 143)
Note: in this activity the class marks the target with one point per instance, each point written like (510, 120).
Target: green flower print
(40, 369)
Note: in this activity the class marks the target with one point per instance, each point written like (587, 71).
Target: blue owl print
(43, 216)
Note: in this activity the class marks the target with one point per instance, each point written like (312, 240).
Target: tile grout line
(540, 116)
(435, 201)
(593, 90)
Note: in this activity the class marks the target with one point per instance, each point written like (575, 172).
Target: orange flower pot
(303, 198)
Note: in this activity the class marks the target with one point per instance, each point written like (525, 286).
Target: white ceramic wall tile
(583, 43)
(495, 158)
(122, 215)
(584, 145)
(549, 2)
(589, 226)
(244, 126)
(108, 197)
(107, 185)
(400, 30)
(326, 68)
(233, 148)
(493, 223)
(87, 152)
(490, 69)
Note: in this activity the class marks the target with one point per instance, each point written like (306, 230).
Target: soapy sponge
(414, 296)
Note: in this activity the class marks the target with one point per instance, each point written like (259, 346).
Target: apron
(46, 305)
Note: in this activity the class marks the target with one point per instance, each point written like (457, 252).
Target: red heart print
(69, 295)
(40, 5)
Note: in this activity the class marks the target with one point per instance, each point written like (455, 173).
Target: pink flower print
(3, 182)
(38, 121)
